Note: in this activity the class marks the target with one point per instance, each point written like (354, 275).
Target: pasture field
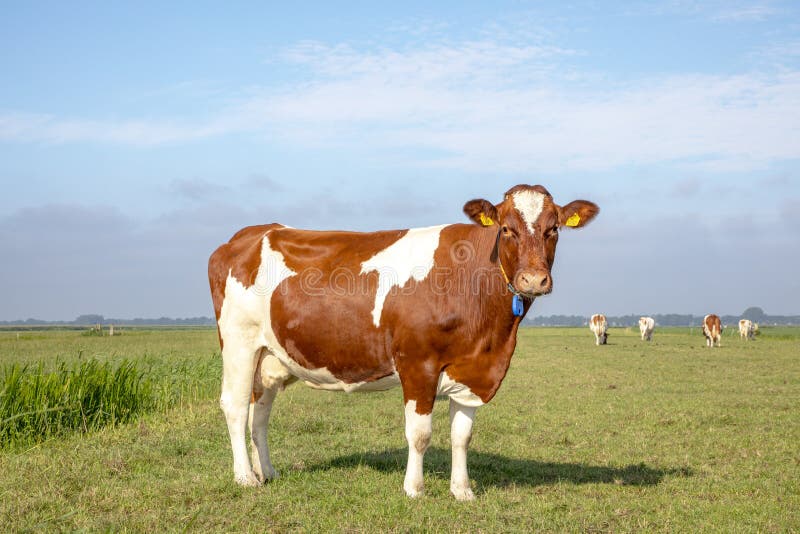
(667, 436)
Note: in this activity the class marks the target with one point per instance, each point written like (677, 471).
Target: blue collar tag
(516, 306)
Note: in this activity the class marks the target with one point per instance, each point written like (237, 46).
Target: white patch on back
(245, 315)
(272, 271)
(410, 256)
(530, 205)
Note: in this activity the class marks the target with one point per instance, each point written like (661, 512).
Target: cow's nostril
(544, 281)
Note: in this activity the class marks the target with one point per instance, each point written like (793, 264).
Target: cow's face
(527, 222)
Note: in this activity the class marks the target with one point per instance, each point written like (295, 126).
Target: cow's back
(598, 323)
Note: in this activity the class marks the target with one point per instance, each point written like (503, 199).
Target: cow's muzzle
(534, 283)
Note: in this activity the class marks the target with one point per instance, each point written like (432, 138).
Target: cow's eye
(508, 232)
(551, 232)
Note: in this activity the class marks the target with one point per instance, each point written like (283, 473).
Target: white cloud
(485, 105)
(29, 127)
(546, 124)
(732, 11)
(746, 13)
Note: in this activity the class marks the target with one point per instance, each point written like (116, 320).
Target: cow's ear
(481, 212)
(577, 213)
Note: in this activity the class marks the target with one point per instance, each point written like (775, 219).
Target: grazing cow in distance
(433, 310)
(599, 326)
(646, 327)
(712, 330)
(747, 329)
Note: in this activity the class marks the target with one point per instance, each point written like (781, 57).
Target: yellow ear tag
(486, 221)
(574, 220)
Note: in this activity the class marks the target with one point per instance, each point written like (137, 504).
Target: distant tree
(754, 314)
(90, 318)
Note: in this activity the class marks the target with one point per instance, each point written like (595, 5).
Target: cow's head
(527, 223)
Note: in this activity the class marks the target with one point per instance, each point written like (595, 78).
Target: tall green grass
(40, 402)
(36, 405)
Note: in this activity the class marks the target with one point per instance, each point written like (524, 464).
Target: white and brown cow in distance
(747, 329)
(599, 327)
(712, 330)
(646, 327)
(428, 309)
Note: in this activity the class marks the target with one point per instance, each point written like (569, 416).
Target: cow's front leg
(418, 434)
(461, 419)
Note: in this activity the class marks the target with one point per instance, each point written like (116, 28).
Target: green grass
(79, 397)
(664, 436)
(53, 397)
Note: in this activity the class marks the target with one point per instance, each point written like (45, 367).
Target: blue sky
(135, 139)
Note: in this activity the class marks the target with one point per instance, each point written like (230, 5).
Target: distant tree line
(93, 319)
(669, 319)
(755, 314)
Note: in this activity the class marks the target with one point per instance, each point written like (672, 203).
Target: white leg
(418, 433)
(270, 377)
(259, 446)
(238, 366)
(461, 419)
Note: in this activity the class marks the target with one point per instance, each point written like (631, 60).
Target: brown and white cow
(712, 330)
(428, 309)
(646, 327)
(599, 327)
(747, 329)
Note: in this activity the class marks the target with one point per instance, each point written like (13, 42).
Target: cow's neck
(493, 296)
(487, 305)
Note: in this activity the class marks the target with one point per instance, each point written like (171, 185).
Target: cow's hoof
(413, 492)
(248, 480)
(270, 474)
(462, 494)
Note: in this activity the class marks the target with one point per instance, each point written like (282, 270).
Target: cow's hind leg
(461, 419)
(271, 376)
(238, 367)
